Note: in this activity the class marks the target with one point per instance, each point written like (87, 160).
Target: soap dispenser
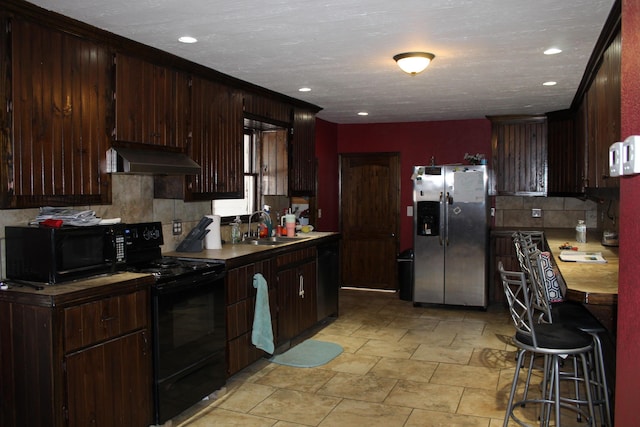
(267, 220)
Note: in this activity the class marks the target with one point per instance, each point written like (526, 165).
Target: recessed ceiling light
(187, 39)
(552, 51)
(363, 113)
(549, 83)
(304, 89)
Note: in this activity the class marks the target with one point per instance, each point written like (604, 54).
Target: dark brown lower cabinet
(76, 358)
(296, 277)
(241, 301)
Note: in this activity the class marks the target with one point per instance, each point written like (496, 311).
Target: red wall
(327, 194)
(628, 338)
(416, 142)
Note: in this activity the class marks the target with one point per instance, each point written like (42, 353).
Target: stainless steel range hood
(150, 161)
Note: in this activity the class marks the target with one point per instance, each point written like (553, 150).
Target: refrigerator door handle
(446, 218)
(440, 234)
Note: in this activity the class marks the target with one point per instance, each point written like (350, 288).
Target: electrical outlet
(536, 213)
(177, 227)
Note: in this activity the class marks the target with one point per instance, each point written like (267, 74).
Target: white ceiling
(489, 58)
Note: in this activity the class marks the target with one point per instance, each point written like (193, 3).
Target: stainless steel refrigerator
(451, 236)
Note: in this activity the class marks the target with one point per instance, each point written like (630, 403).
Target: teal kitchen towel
(262, 333)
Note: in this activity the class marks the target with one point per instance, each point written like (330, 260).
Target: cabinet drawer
(97, 321)
(296, 257)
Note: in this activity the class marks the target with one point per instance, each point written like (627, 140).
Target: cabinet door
(602, 105)
(519, 150)
(62, 97)
(110, 383)
(565, 155)
(241, 300)
(297, 309)
(152, 103)
(302, 165)
(275, 164)
(217, 140)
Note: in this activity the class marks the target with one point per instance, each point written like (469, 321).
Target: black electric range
(189, 321)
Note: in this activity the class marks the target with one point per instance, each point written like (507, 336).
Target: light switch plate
(631, 155)
(615, 159)
(409, 210)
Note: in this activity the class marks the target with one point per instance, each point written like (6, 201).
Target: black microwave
(54, 255)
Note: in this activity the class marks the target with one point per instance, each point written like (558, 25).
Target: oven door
(189, 342)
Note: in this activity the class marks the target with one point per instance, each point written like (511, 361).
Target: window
(245, 206)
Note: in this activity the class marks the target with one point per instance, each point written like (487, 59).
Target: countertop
(586, 282)
(239, 251)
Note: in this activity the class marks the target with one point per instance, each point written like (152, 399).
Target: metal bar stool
(551, 340)
(572, 315)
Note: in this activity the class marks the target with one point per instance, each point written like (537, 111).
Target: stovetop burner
(168, 268)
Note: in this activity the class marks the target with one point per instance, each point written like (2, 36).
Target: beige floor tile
(442, 313)
(352, 363)
(357, 413)
(492, 358)
(370, 388)
(466, 376)
(388, 349)
(432, 338)
(224, 417)
(435, 397)
(422, 418)
(484, 403)
(245, 397)
(416, 322)
(480, 341)
(460, 327)
(403, 369)
(349, 344)
(380, 333)
(300, 379)
(295, 406)
(459, 355)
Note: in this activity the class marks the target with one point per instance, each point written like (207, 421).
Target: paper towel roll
(212, 239)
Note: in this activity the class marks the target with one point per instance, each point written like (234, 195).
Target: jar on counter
(581, 232)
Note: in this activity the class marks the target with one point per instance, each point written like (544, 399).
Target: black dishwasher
(328, 279)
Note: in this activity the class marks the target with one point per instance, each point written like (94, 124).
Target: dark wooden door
(370, 214)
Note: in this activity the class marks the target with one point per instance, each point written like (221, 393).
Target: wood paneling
(152, 103)
(266, 109)
(302, 171)
(62, 98)
(602, 113)
(275, 164)
(217, 141)
(565, 155)
(519, 149)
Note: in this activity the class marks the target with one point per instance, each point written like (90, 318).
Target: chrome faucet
(263, 213)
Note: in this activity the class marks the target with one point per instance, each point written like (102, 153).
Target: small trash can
(405, 275)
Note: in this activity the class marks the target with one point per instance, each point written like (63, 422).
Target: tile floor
(401, 366)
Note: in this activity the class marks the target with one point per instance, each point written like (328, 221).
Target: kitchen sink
(272, 241)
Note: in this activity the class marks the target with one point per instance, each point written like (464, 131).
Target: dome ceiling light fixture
(413, 62)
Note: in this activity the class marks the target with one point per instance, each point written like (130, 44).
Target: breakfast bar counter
(593, 284)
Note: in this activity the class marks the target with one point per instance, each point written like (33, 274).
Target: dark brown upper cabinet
(600, 109)
(152, 103)
(565, 155)
(302, 161)
(60, 103)
(217, 141)
(519, 150)
(266, 109)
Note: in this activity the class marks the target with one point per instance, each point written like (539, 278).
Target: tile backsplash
(557, 212)
(132, 201)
